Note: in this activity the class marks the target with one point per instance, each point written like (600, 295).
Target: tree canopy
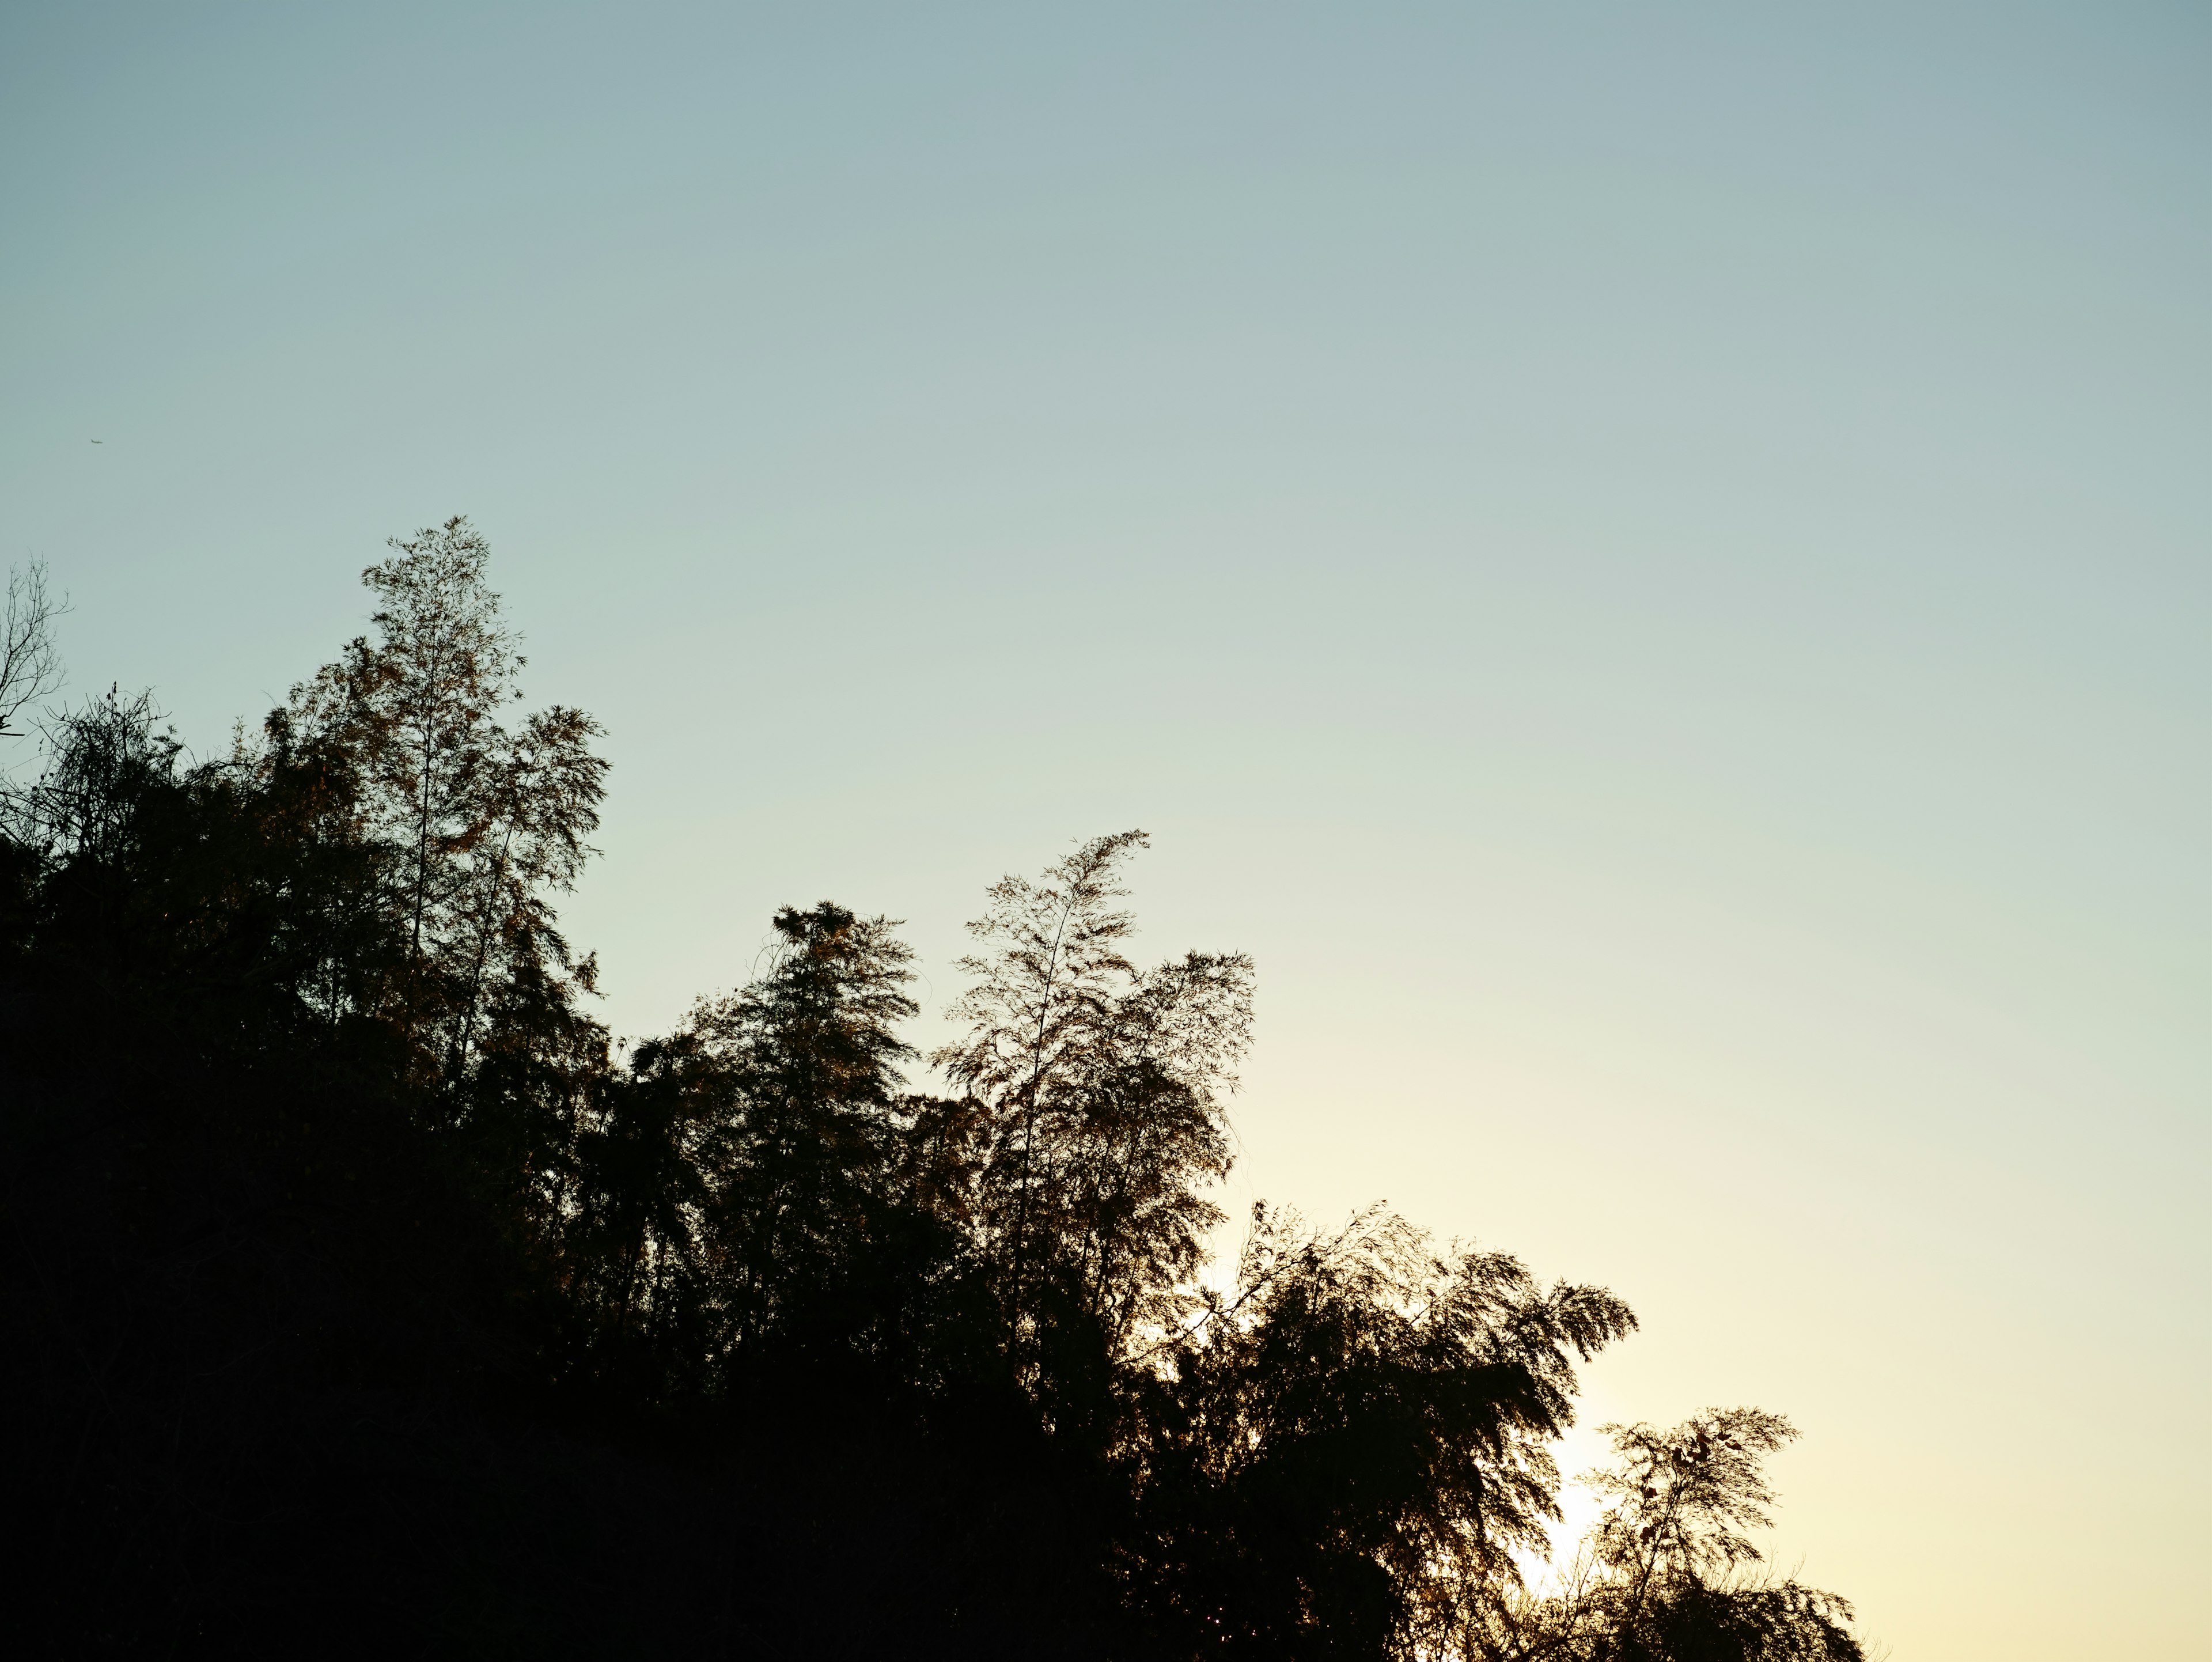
(369, 1297)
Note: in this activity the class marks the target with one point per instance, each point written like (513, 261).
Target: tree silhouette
(30, 665)
(368, 1300)
(1334, 1458)
(480, 825)
(1667, 1572)
(1098, 1088)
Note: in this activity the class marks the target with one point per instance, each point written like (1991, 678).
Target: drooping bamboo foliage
(307, 1006)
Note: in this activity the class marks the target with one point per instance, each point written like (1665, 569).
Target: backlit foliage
(375, 1299)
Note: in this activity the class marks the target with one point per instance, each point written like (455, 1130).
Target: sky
(1651, 564)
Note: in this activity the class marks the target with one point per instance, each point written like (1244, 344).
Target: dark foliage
(366, 1301)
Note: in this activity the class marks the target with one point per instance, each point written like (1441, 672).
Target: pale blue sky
(1654, 570)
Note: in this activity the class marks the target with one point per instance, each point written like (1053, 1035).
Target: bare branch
(30, 667)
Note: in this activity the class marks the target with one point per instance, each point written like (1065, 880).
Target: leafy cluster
(382, 1302)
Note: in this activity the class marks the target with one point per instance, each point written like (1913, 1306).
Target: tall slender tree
(1101, 1089)
(479, 826)
(803, 1154)
(746, 1164)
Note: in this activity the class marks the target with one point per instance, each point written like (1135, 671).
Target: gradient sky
(1654, 571)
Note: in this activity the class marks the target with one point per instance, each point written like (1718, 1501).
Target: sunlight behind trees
(318, 1076)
